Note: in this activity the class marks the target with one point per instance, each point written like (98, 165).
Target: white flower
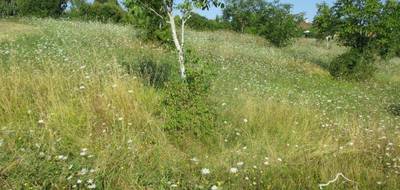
(214, 187)
(91, 186)
(90, 180)
(174, 185)
(130, 91)
(62, 157)
(120, 118)
(194, 159)
(41, 121)
(82, 87)
(266, 163)
(130, 141)
(240, 164)
(280, 159)
(79, 181)
(245, 120)
(205, 171)
(83, 171)
(233, 170)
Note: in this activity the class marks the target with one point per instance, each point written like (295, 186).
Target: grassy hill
(73, 116)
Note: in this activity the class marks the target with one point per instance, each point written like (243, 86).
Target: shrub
(41, 8)
(279, 26)
(103, 12)
(353, 65)
(187, 103)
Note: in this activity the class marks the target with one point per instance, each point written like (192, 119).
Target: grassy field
(72, 117)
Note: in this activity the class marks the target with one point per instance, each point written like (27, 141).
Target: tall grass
(71, 116)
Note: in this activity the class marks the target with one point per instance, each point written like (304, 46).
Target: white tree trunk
(178, 45)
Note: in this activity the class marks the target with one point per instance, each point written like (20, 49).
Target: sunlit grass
(72, 117)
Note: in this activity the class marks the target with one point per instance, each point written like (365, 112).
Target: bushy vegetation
(73, 116)
(103, 12)
(37, 8)
(188, 104)
(353, 65)
(368, 27)
(274, 21)
(201, 23)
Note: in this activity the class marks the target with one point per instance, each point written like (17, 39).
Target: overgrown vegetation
(73, 116)
(274, 20)
(367, 27)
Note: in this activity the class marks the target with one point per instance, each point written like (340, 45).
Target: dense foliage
(104, 12)
(274, 21)
(323, 24)
(366, 26)
(38, 8)
(198, 22)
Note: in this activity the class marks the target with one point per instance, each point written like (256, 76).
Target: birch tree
(165, 9)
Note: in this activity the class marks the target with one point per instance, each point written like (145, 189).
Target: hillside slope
(73, 116)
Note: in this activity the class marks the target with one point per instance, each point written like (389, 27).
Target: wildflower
(82, 87)
(41, 121)
(79, 181)
(91, 186)
(130, 141)
(194, 159)
(174, 185)
(130, 91)
(233, 170)
(280, 159)
(205, 171)
(240, 164)
(83, 152)
(214, 187)
(245, 120)
(83, 171)
(62, 157)
(90, 180)
(266, 163)
(120, 118)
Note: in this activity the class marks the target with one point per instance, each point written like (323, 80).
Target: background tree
(41, 8)
(162, 12)
(370, 28)
(243, 14)
(274, 21)
(278, 25)
(324, 21)
(358, 22)
(388, 41)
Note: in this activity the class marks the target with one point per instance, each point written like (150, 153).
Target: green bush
(187, 103)
(279, 26)
(353, 65)
(103, 12)
(41, 8)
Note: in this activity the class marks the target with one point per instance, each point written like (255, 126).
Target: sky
(306, 6)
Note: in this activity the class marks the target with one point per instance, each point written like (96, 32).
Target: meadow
(73, 117)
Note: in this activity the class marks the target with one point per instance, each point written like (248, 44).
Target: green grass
(69, 111)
